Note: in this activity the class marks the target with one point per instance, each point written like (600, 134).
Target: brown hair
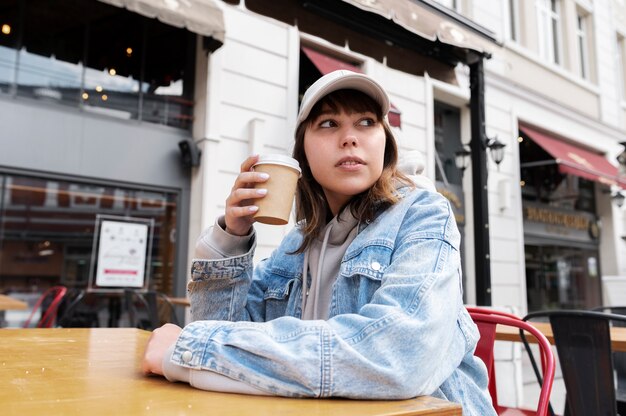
(312, 210)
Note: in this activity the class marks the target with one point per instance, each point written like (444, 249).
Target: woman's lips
(350, 162)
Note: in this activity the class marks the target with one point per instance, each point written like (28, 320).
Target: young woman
(363, 299)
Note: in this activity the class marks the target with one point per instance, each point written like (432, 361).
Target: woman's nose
(349, 140)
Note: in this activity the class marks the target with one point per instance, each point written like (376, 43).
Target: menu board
(121, 254)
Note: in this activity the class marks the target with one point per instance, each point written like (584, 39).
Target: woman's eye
(327, 123)
(367, 122)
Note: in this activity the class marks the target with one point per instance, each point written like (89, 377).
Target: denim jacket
(397, 327)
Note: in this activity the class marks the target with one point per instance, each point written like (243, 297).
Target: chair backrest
(487, 320)
(484, 348)
(149, 302)
(48, 303)
(76, 312)
(583, 343)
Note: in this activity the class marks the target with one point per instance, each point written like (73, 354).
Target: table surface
(9, 303)
(507, 333)
(180, 301)
(72, 371)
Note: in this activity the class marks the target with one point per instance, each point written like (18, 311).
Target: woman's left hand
(160, 341)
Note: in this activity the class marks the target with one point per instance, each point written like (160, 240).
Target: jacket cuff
(171, 371)
(215, 243)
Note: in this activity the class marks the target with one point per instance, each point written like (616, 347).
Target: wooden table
(71, 371)
(180, 301)
(9, 303)
(507, 333)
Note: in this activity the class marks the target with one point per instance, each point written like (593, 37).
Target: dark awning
(574, 160)
(422, 20)
(326, 64)
(203, 17)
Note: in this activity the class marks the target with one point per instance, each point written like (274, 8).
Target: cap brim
(340, 80)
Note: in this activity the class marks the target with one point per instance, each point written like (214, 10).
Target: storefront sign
(544, 221)
(122, 252)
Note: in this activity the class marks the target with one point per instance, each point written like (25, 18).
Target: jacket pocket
(278, 297)
(360, 277)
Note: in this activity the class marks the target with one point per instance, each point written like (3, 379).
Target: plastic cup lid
(278, 159)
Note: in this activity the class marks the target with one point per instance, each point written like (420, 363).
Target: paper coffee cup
(275, 206)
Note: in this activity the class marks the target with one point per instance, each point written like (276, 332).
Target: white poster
(122, 254)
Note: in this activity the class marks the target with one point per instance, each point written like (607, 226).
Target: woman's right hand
(240, 203)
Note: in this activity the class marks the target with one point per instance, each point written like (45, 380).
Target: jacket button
(376, 265)
(187, 355)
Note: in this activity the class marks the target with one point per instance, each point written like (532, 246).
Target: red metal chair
(48, 315)
(486, 320)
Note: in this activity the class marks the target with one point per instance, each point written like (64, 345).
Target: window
(621, 64)
(47, 230)
(582, 43)
(447, 122)
(549, 30)
(100, 58)
(456, 5)
(513, 20)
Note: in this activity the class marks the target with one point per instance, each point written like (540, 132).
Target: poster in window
(122, 247)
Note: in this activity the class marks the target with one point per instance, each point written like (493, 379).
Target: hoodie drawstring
(305, 272)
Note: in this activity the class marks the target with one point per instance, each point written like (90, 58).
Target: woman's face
(345, 152)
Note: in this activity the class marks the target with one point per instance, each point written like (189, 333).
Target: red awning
(575, 160)
(326, 64)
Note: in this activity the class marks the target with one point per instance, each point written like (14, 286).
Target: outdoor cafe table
(505, 333)
(9, 303)
(180, 301)
(71, 371)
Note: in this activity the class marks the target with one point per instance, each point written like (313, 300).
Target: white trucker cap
(341, 80)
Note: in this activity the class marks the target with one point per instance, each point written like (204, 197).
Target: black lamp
(190, 153)
(462, 158)
(621, 159)
(496, 148)
(617, 197)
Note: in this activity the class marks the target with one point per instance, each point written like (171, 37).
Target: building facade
(554, 230)
(554, 95)
(111, 110)
(95, 98)
(105, 106)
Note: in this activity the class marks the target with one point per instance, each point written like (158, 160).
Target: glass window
(513, 20)
(541, 180)
(582, 31)
(621, 64)
(50, 64)
(47, 230)
(447, 141)
(101, 58)
(8, 46)
(560, 277)
(549, 29)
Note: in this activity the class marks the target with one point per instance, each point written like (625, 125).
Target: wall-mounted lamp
(496, 149)
(190, 153)
(621, 159)
(617, 197)
(462, 158)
